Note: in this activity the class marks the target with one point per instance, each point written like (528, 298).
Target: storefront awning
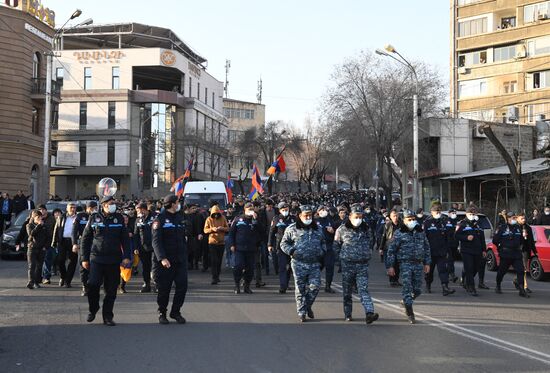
(527, 167)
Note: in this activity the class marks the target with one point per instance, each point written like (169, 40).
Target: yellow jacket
(216, 237)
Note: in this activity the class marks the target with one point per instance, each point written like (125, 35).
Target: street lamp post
(416, 190)
(48, 109)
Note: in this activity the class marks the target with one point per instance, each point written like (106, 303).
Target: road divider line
(465, 332)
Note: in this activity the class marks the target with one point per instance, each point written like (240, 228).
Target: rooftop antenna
(259, 94)
(226, 86)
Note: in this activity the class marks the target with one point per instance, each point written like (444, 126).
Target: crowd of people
(293, 235)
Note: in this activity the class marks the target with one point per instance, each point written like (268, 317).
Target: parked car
(7, 249)
(62, 205)
(483, 222)
(539, 265)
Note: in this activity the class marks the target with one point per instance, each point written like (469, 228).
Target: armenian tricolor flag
(229, 189)
(257, 187)
(278, 166)
(178, 186)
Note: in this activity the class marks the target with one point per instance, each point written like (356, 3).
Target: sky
(293, 45)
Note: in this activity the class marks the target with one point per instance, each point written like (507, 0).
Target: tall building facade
(241, 117)
(137, 106)
(500, 68)
(25, 36)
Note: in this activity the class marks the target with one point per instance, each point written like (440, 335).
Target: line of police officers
(303, 246)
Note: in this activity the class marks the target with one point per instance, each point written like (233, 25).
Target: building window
(206, 95)
(112, 115)
(59, 74)
(87, 78)
(83, 122)
(507, 22)
(504, 53)
(36, 65)
(471, 88)
(472, 58)
(116, 78)
(213, 100)
(111, 153)
(82, 150)
(198, 91)
(238, 113)
(511, 87)
(534, 12)
(55, 116)
(535, 111)
(538, 80)
(190, 87)
(467, 2)
(538, 46)
(35, 121)
(473, 27)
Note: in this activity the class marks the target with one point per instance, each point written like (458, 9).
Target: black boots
(247, 289)
(310, 313)
(498, 290)
(162, 319)
(145, 288)
(328, 288)
(178, 317)
(410, 314)
(446, 290)
(237, 289)
(523, 293)
(371, 317)
(428, 288)
(482, 285)
(472, 291)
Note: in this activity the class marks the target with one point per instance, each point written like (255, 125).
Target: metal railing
(38, 87)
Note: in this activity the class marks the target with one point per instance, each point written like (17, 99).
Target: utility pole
(260, 89)
(226, 86)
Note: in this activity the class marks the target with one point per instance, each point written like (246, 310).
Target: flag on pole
(179, 184)
(278, 166)
(257, 180)
(229, 189)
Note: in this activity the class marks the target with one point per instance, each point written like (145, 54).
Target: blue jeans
(49, 260)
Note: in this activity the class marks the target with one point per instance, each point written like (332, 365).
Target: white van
(203, 193)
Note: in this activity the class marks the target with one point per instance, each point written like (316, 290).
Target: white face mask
(546, 212)
(323, 214)
(471, 217)
(356, 222)
(178, 207)
(112, 208)
(284, 213)
(249, 213)
(452, 216)
(419, 216)
(513, 222)
(367, 211)
(306, 221)
(476, 218)
(437, 216)
(412, 224)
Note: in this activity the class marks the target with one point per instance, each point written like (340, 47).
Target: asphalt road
(44, 330)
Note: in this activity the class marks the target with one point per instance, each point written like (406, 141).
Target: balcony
(38, 90)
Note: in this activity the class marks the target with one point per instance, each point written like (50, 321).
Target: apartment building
(500, 65)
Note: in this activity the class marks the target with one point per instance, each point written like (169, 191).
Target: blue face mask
(412, 224)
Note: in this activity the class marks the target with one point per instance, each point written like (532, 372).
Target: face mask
(437, 216)
(284, 213)
(513, 222)
(546, 212)
(112, 209)
(250, 213)
(453, 216)
(216, 216)
(367, 211)
(412, 224)
(476, 218)
(419, 216)
(356, 222)
(323, 214)
(178, 207)
(306, 221)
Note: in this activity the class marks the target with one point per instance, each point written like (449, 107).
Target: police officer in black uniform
(78, 229)
(436, 232)
(144, 244)
(508, 239)
(472, 247)
(278, 226)
(450, 225)
(102, 240)
(170, 259)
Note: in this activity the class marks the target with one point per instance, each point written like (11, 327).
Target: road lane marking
(465, 332)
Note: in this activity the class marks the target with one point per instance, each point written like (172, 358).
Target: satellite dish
(106, 187)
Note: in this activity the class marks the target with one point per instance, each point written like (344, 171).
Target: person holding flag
(257, 187)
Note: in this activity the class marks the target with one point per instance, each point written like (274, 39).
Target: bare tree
(375, 96)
